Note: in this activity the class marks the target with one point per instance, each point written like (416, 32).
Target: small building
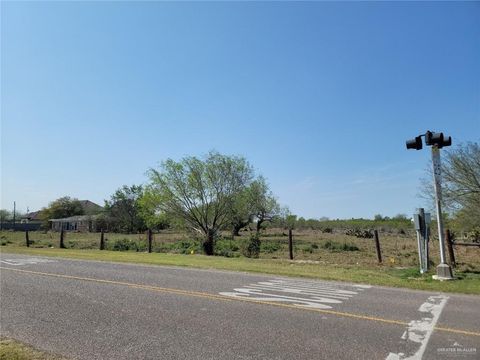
(31, 221)
(81, 223)
(90, 208)
(34, 216)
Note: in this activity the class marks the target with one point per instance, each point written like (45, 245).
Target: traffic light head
(437, 139)
(415, 143)
(446, 142)
(428, 138)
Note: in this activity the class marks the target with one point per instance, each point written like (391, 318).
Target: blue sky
(319, 96)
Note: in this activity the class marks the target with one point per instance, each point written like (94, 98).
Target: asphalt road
(94, 310)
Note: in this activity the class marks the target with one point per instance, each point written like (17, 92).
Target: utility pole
(436, 141)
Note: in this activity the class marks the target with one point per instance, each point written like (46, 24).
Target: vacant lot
(331, 254)
(399, 249)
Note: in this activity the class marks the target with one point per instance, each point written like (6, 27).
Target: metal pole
(14, 210)
(419, 243)
(423, 262)
(425, 245)
(419, 220)
(428, 221)
(444, 271)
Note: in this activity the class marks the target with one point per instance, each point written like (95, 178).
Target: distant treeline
(397, 223)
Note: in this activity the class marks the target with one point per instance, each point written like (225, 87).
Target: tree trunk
(102, 240)
(62, 244)
(208, 243)
(236, 229)
(259, 225)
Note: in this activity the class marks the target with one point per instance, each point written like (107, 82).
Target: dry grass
(313, 258)
(398, 250)
(15, 350)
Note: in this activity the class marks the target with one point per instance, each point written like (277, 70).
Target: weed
(227, 248)
(251, 247)
(269, 247)
(123, 245)
(184, 247)
(335, 246)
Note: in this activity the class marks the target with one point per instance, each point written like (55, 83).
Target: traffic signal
(437, 139)
(428, 138)
(415, 143)
(446, 142)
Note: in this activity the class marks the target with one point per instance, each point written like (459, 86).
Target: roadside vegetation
(341, 253)
(15, 350)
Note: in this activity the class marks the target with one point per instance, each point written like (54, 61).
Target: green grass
(468, 282)
(14, 350)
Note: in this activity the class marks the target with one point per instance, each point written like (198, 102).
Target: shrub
(364, 234)
(185, 246)
(474, 235)
(349, 247)
(270, 247)
(307, 249)
(251, 247)
(226, 248)
(124, 245)
(335, 246)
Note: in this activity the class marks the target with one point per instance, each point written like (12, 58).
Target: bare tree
(461, 174)
(460, 183)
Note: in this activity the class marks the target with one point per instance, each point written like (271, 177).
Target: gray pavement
(96, 310)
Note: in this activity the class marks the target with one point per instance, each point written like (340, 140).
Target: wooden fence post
(149, 240)
(377, 246)
(102, 240)
(62, 245)
(290, 243)
(27, 238)
(450, 248)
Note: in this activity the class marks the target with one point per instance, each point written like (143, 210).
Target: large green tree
(124, 209)
(265, 206)
(154, 218)
(242, 211)
(256, 203)
(201, 192)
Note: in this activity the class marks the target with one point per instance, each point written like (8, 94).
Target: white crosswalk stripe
(29, 261)
(297, 292)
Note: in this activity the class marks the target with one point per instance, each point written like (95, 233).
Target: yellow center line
(227, 298)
